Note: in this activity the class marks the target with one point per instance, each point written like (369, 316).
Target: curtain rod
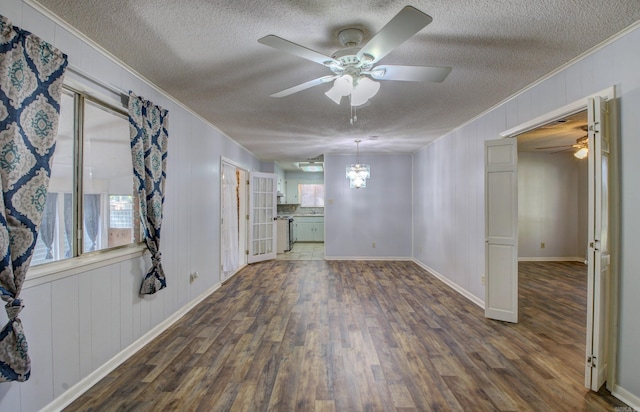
(124, 96)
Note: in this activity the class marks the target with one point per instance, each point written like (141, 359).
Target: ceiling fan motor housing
(350, 37)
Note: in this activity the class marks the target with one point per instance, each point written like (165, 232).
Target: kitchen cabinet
(309, 228)
(291, 193)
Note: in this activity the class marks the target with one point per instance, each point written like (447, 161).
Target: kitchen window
(311, 195)
(91, 189)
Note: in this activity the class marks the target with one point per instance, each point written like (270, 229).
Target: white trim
(551, 259)
(451, 284)
(390, 258)
(94, 377)
(233, 163)
(234, 273)
(59, 21)
(627, 397)
(49, 272)
(566, 110)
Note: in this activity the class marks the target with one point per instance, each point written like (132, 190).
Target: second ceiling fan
(354, 68)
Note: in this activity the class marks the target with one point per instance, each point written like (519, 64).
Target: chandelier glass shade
(358, 173)
(359, 89)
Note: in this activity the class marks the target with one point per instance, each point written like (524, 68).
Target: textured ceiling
(206, 54)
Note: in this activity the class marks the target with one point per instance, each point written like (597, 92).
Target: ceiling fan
(582, 144)
(354, 67)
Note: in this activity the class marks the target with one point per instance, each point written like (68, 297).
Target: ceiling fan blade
(297, 50)
(399, 29)
(304, 86)
(411, 73)
(554, 147)
(561, 151)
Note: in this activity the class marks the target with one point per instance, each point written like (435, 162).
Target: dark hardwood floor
(351, 336)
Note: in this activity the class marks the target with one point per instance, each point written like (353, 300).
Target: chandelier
(358, 173)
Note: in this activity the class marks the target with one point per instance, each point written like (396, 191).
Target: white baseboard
(452, 284)
(367, 258)
(94, 377)
(627, 397)
(551, 259)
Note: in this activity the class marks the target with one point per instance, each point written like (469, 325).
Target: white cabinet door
(292, 191)
(318, 232)
(305, 232)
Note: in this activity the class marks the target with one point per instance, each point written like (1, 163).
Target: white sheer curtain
(230, 256)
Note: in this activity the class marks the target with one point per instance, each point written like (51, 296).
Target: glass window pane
(54, 237)
(107, 182)
(311, 195)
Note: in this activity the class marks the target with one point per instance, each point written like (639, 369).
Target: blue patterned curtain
(31, 73)
(91, 213)
(148, 126)
(48, 223)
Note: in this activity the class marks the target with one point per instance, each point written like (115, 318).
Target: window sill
(49, 272)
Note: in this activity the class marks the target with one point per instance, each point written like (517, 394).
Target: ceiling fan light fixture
(364, 90)
(582, 153)
(342, 86)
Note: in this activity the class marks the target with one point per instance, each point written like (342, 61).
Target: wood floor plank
(362, 335)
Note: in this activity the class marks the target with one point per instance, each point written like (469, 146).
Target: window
(311, 195)
(93, 148)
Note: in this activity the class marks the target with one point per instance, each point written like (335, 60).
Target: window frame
(79, 259)
(315, 197)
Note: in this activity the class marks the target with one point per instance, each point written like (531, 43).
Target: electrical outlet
(484, 282)
(373, 245)
(542, 245)
(193, 276)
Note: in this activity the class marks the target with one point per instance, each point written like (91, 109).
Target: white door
(501, 229)
(598, 247)
(262, 211)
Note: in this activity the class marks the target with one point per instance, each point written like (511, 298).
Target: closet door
(501, 229)
(599, 254)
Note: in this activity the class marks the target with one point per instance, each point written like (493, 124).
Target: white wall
(379, 213)
(449, 186)
(549, 207)
(84, 317)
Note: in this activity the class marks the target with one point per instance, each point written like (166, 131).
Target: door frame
(243, 211)
(579, 105)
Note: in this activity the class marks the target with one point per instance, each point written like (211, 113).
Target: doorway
(501, 177)
(233, 226)
(552, 236)
(553, 191)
